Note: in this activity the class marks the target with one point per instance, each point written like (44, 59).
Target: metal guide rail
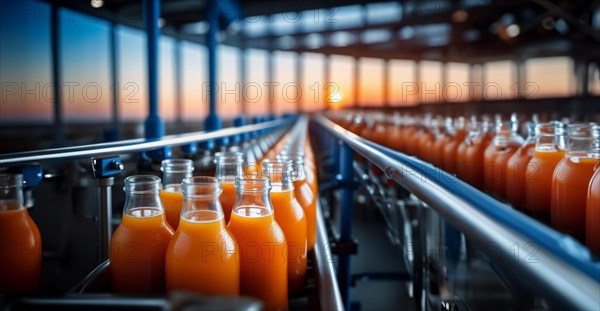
(134, 145)
(561, 271)
(327, 288)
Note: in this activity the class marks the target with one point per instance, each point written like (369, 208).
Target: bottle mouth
(11, 181)
(279, 172)
(550, 128)
(201, 186)
(229, 157)
(252, 183)
(581, 129)
(142, 184)
(177, 166)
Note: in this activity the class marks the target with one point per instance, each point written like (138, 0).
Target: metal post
(299, 81)
(104, 216)
(326, 80)
(271, 80)
(212, 122)
(346, 209)
(386, 83)
(444, 81)
(114, 58)
(178, 87)
(356, 81)
(242, 65)
(482, 80)
(418, 80)
(584, 76)
(104, 169)
(154, 127)
(56, 77)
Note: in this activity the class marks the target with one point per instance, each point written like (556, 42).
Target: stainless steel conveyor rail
(132, 146)
(563, 272)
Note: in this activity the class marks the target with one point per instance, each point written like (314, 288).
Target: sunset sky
(26, 75)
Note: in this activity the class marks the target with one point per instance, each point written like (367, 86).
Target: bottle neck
(227, 171)
(175, 178)
(252, 198)
(550, 142)
(582, 146)
(10, 198)
(148, 200)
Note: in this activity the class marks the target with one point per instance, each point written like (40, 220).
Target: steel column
(59, 138)
(114, 67)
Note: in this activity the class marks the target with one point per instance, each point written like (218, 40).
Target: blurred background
(304, 56)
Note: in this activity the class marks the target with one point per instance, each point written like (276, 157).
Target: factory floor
(376, 255)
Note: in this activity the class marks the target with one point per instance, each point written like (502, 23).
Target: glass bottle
(549, 150)
(504, 144)
(470, 167)
(305, 196)
(457, 135)
(203, 255)
(443, 135)
(571, 179)
(228, 166)
(139, 245)
(20, 241)
(174, 171)
(516, 168)
(291, 218)
(592, 224)
(263, 260)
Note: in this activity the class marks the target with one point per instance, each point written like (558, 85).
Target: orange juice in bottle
(516, 168)
(305, 196)
(20, 241)
(228, 166)
(496, 155)
(425, 138)
(549, 150)
(571, 179)
(457, 134)
(174, 171)
(263, 253)
(592, 224)
(291, 218)
(203, 255)
(470, 167)
(393, 139)
(139, 245)
(442, 138)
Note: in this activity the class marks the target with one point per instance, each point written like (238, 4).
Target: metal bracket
(106, 166)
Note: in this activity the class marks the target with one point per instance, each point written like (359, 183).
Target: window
(194, 76)
(498, 80)
(255, 93)
(312, 81)
(25, 71)
(371, 82)
(287, 93)
(339, 93)
(403, 88)
(549, 77)
(228, 94)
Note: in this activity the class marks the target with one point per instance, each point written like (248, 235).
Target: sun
(335, 100)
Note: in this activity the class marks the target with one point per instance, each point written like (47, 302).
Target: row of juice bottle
(546, 169)
(239, 233)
